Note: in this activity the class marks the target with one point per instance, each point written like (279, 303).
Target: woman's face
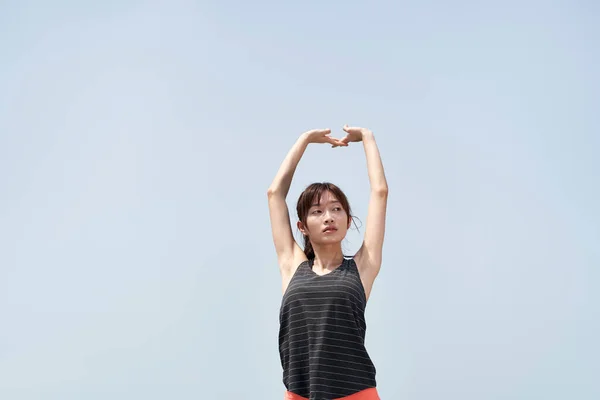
(327, 221)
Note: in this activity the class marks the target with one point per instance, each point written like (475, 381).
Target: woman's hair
(312, 193)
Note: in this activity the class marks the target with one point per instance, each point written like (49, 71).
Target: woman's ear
(301, 227)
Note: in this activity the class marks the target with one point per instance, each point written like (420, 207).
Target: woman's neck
(328, 257)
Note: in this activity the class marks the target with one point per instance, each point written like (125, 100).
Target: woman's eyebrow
(329, 202)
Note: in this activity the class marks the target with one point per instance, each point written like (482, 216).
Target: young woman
(322, 324)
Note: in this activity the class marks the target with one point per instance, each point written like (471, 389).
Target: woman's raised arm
(370, 253)
(288, 251)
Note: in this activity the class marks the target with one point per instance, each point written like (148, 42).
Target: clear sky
(138, 139)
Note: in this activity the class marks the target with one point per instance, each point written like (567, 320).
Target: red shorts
(367, 394)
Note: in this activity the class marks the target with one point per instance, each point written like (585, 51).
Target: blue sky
(138, 139)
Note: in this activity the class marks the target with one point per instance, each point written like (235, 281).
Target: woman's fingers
(324, 136)
(353, 133)
(333, 141)
(351, 129)
(316, 132)
(338, 143)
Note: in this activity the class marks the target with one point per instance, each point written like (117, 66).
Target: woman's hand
(354, 134)
(322, 136)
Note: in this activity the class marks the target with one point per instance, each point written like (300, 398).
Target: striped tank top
(322, 333)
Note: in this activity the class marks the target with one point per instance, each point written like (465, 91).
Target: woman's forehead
(326, 198)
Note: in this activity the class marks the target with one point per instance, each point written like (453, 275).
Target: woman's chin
(332, 239)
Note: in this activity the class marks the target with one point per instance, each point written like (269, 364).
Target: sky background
(138, 140)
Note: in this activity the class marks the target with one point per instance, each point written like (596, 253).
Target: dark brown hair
(312, 194)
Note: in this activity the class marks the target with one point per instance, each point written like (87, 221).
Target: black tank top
(322, 333)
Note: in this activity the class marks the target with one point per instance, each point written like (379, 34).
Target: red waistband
(367, 394)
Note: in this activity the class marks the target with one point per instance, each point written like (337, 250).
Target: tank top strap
(352, 267)
(352, 264)
(304, 268)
